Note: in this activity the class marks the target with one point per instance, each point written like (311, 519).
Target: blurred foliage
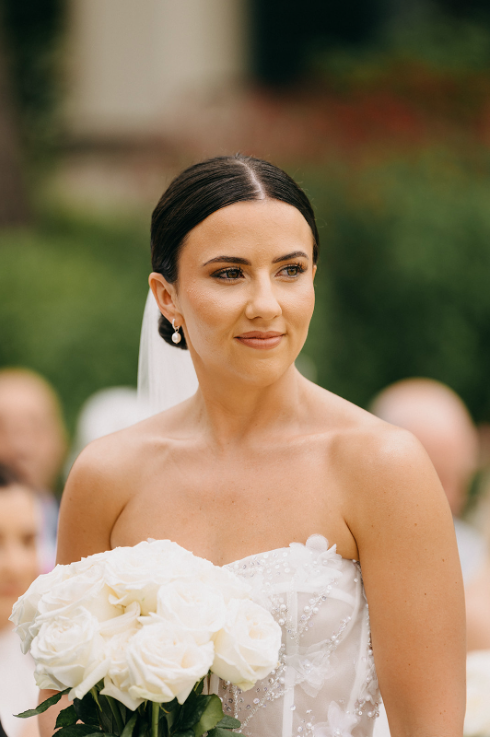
(34, 35)
(72, 298)
(403, 280)
(420, 37)
(402, 288)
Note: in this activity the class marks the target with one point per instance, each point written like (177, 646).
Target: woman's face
(245, 290)
(19, 527)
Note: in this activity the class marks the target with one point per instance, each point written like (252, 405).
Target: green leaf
(77, 730)
(106, 715)
(210, 717)
(129, 728)
(169, 706)
(220, 732)
(66, 717)
(229, 723)
(44, 706)
(192, 711)
(87, 710)
(185, 733)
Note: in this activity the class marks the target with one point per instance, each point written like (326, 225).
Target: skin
(19, 527)
(32, 436)
(260, 457)
(440, 420)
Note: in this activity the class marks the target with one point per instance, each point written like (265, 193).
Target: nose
(262, 302)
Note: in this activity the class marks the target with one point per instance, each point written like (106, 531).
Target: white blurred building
(133, 63)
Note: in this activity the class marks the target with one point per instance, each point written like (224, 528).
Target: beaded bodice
(325, 684)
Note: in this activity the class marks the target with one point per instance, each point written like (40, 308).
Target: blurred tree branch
(14, 206)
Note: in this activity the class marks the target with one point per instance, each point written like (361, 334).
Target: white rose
(25, 609)
(117, 633)
(87, 589)
(247, 648)
(136, 573)
(228, 583)
(165, 662)
(198, 608)
(477, 719)
(69, 652)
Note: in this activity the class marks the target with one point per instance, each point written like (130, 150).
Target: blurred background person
(440, 420)
(105, 412)
(33, 443)
(19, 566)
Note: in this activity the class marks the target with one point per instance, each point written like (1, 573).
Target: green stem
(155, 714)
(116, 713)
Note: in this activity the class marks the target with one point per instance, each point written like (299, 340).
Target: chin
(262, 373)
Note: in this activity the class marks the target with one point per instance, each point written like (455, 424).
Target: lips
(259, 339)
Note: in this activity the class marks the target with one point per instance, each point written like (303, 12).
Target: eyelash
(300, 269)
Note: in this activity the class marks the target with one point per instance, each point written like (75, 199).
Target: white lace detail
(325, 684)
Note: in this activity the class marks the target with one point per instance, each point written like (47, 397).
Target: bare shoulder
(373, 459)
(383, 471)
(105, 476)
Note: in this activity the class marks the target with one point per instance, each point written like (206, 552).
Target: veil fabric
(166, 375)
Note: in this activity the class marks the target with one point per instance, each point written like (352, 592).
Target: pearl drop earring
(176, 337)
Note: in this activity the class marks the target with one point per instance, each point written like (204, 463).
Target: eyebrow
(246, 262)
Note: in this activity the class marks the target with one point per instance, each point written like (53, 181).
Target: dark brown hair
(205, 188)
(8, 477)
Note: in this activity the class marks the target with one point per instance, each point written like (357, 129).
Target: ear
(166, 297)
(315, 267)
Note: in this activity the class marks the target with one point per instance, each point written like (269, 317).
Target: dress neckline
(316, 543)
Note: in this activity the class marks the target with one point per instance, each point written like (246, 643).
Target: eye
(229, 274)
(292, 270)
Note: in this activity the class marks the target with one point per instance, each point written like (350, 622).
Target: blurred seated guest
(105, 412)
(440, 420)
(33, 442)
(19, 528)
(478, 610)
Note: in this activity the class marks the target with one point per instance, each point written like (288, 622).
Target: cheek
(210, 309)
(298, 306)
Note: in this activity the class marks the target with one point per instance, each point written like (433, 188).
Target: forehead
(261, 227)
(22, 397)
(17, 506)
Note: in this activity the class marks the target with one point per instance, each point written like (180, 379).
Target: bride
(260, 468)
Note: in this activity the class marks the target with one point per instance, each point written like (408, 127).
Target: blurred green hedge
(72, 294)
(404, 279)
(403, 287)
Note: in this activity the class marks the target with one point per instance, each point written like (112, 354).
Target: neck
(233, 411)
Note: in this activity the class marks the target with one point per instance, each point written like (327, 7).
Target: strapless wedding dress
(325, 684)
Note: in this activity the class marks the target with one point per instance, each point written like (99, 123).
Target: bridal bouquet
(130, 636)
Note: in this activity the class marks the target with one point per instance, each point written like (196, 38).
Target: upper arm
(410, 565)
(91, 502)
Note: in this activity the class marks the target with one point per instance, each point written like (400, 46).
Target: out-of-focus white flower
(198, 608)
(165, 662)
(69, 652)
(135, 574)
(246, 649)
(26, 607)
(477, 719)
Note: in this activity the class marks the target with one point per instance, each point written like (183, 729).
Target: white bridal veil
(166, 374)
